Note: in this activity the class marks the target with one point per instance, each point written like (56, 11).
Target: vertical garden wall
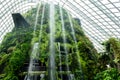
(83, 60)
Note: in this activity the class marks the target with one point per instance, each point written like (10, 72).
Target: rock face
(19, 20)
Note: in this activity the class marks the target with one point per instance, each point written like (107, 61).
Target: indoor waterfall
(74, 38)
(59, 40)
(36, 19)
(51, 66)
(34, 54)
(60, 60)
(33, 61)
(64, 40)
(41, 24)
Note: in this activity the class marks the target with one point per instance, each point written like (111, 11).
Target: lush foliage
(110, 57)
(14, 52)
(83, 60)
(109, 74)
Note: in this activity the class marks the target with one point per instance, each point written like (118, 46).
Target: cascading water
(52, 70)
(64, 40)
(42, 76)
(40, 34)
(52, 46)
(73, 34)
(36, 19)
(60, 60)
(34, 53)
(33, 59)
(41, 27)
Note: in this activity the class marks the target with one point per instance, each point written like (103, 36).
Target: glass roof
(100, 19)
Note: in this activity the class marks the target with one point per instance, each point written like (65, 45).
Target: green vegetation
(109, 74)
(14, 52)
(16, 48)
(110, 57)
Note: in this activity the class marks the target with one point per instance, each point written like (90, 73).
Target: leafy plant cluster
(14, 51)
(109, 74)
(83, 60)
(109, 58)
